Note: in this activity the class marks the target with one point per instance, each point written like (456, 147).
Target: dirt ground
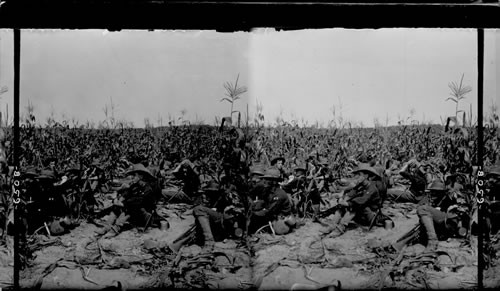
(300, 260)
(136, 260)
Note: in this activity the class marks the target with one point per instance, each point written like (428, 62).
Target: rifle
(185, 238)
(410, 237)
(330, 211)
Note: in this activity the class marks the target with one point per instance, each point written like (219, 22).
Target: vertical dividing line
(17, 59)
(480, 81)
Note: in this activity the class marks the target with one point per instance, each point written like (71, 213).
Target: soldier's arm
(363, 199)
(354, 189)
(272, 207)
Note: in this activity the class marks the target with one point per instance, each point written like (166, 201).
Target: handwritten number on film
(480, 185)
(16, 198)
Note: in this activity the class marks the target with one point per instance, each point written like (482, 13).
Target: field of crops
(218, 152)
(454, 147)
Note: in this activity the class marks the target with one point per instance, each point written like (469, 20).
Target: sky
(385, 74)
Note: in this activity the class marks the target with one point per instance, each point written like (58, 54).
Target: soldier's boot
(432, 241)
(316, 211)
(207, 232)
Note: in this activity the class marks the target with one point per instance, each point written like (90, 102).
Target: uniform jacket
(371, 194)
(277, 204)
(141, 195)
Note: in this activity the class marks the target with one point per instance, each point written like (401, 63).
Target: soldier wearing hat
(441, 224)
(299, 179)
(361, 203)
(436, 195)
(440, 216)
(279, 163)
(414, 172)
(254, 181)
(297, 185)
(212, 194)
(275, 205)
(52, 164)
(138, 201)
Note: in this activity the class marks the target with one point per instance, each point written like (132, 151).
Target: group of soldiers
(54, 197)
(273, 199)
(275, 196)
(444, 202)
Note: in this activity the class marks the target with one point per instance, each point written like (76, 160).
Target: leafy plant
(233, 93)
(458, 92)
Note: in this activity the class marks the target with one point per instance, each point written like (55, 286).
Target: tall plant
(458, 92)
(233, 93)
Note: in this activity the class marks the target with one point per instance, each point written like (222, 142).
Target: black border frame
(244, 15)
(228, 16)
